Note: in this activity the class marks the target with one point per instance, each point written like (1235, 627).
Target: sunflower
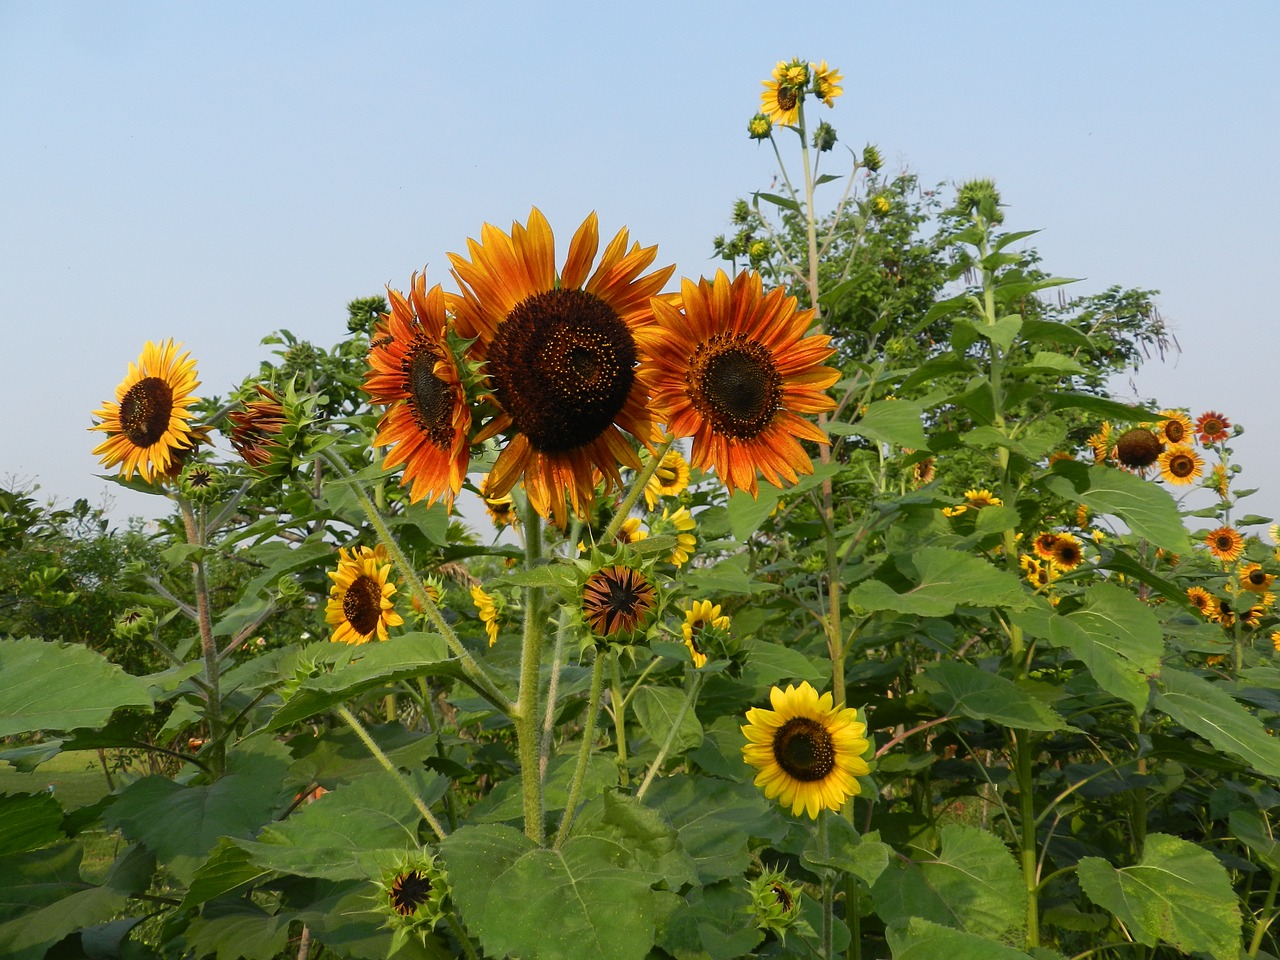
(501, 508)
(487, 608)
(360, 607)
(559, 354)
(631, 531)
(1226, 544)
(1212, 428)
(1044, 544)
(412, 372)
(734, 369)
(1201, 599)
(1275, 640)
(683, 524)
(617, 600)
(701, 617)
(780, 100)
(826, 83)
(1066, 553)
(146, 426)
(1252, 616)
(982, 498)
(1254, 578)
(808, 751)
(923, 471)
(1037, 574)
(1220, 480)
(669, 480)
(1100, 443)
(1174, 427)
(1137, 448)
(256, 430)
(1221, 612)
(1180, 465)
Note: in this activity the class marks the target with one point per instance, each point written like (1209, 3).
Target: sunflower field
(826, 606)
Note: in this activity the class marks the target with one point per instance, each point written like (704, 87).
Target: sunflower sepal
(616, 599)
(776, 904)
(412, 896)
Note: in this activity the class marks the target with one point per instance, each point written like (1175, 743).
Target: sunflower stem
(1027, 801)
(460, 932)
(828, 893)
(619, 719)
(391, 768)
(584, 750)
(525, 714)
(553, 691)
(475, 673)
(195, 531)
(641, 481)
(695, 684)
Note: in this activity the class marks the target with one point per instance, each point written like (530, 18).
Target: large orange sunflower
(560, 354)
(733, 368)
(412, 371)
(147, 429)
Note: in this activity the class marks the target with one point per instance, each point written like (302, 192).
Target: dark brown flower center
(1138, 448)
(1067, 554)
(804, 749)
(145, 410)
(1257, 578)
(562, 365)
(616, 599)
(735, 385)
(1224, 542)
(362, 604)
(433, 398)
(787, 97)
(410, 891)
(1181, 465)
(1174, 431)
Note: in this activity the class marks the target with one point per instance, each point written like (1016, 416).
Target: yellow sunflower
(1180, 465)
(1221, 612)
(1220, 480)
(560, 355)
(1254, 578)
(631, 531)
(734, 369)
(501, 509)
(669, 480)
(1275, 640)
(1067, 553)
(1100, 443)
(701, 617)
(487, 608)
(1037, 574)
(1202, 600)
(682, 522)
(412, 372)
(1174, 428)
(617, 601)
(360, 607)
(780, 99)
(808, 752)
(1226, 544)
(826, 83)
(147, 429)
(923, 471)
(1044, 544)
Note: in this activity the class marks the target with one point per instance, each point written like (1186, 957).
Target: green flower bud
(871, 158)
(775, 902)
(759, 127)
(824, 138)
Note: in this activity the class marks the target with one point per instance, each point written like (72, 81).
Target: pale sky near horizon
(212, 172)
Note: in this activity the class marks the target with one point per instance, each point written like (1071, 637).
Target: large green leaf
(708, 924)
(589, 899)
(339, 672)
(227, 868)
(651, 840)
(899, 423)
(61, 686)
(657, 709)
(1148, 510)
(965, 689)
(846, 851)
(918, 939)
(28, 821)
(944, 579)
(1179, 894)
(1256, 831)
(769, 663)
(747, 513)
(1206, 709)
(972, 884)
(239, 930)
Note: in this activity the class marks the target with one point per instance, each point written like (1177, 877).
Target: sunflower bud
(880, 205)
(824, 138)
(775, 902)
(199, 483)
(980, 197)
(759, 127)
(134, 623)
(411, 896)
(871, 158)
(742, 211)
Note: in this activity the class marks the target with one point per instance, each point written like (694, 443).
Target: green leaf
(1002, 333)
(945, 579)
(747, 513)
(1179, 894)
(769, 663)
(657, 708)
(1099, 406)
(865, 858)
(919, 939)
(1050, 331)
(28, 821)
(345, 671)
(1255, 831)
(227, 868)
(655, 844)
(1148, 510)
(967, 690)
(1206, 709)
(973, 884)
(1117, 637)
(239, 930)
(895, 422)
(589, 899)
(783, 202)
(1045, 360)
(61, 686)
(708, 924)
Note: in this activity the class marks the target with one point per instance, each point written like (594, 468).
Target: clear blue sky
(212, 172)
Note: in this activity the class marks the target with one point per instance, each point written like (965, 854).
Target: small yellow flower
(488, 610)
(826, 83)
(880, 204)
(703, 616)
(683, 523)
(670, 478)
(631, 531)
(1202, 600)
(1275, 640)
(759, 127)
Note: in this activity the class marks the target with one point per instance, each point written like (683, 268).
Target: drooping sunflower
(701, 617)
(681, 522)
(1254, 578)
(1138, 448)
(360, 607)
(1180, 465)
(1226, 544)
(1212, 427)
(808, 751)
(1066, 553)
(617, 601)
(631, 531)
(734, 368)
(780, 99)
(1044, 544)
(1220, 480)
(1174, 427)
(256, 429)
(413, 373)
(1202, 600)
(146, 425)
(923, 471)
(501, 508)
(1101, 443)
(669, 480)
(487, 609)
(826, 83)
(560, 355)
(1222, 612)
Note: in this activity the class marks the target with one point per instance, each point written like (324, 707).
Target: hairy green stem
(196, 536)
(629, 501)
(584, 750)
(525, 714)
(619, 718)
(691, 695)
(385, 762)
(1023, 749)
(1268, 911)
